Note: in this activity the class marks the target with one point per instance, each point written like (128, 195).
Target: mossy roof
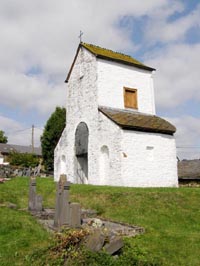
(110, 55)
(114, 56)
(128, 119)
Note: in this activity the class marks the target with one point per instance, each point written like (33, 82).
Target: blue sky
(39, 40)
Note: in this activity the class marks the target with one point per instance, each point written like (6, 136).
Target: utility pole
(32, 139)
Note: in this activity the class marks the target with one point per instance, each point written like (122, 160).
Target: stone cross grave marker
(66, 213)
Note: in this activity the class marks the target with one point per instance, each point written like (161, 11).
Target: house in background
(112, 135)
(189, 172)
(6, 149)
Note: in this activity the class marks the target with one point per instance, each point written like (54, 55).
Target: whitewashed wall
(115, 157)
(81, 107)
(150, 159)
(109, 135)
(113, 77)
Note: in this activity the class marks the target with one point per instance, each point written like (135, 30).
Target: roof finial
(80, 36)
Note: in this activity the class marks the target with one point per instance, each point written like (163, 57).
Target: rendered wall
(113, 77)
(149, 159)
(109, 137)
(115, 157)
(81, 107)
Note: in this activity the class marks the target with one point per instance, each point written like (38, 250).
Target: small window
(130, 98)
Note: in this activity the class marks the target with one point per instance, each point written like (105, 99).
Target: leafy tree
(3, 138)
(52, 133)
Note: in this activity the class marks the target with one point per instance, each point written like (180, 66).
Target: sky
(39, 40)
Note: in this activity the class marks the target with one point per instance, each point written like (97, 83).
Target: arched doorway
(81, 153)
(104, 165)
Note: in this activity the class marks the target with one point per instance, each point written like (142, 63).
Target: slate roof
(8, 148)
(107, 54)
(138, 121)
(189, 169)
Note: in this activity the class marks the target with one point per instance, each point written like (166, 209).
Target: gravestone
(37, 170)
(62, 202)
(35, 201)
(75, 215)
(28, 172)
(66, 213)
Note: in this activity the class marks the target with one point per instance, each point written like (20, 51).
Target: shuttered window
(130, 98)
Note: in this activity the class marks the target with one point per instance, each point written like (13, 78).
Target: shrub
(23, 159)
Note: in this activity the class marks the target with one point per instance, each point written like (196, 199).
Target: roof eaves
(138, 128)
(144, 129)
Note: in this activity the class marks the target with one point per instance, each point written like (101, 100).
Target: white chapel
(112, 135)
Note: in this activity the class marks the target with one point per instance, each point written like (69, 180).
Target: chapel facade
(112, 135)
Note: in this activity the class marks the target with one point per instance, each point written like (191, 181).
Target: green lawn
(170, 216)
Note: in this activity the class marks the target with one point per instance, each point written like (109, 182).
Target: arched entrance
(81, 153)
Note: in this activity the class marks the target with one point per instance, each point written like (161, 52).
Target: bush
(23, 159)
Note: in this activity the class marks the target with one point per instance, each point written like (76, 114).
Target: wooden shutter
(130, 98)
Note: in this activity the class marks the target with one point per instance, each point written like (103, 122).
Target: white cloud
(30, 92)
(44, 35)
(160, 29)
(187, 136)
(18, 133)
(177, 77)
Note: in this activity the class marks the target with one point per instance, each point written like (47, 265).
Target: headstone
(115, 244)
(16, 171)
(95, 241)
(65, 205)
(35, 201)
(75, 215)
(37, 170)
(58, 219)
(32, 194)
(38, 203)
(28, 172)
(20, 173)
(66, 213)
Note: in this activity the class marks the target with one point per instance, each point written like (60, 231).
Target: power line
(21, 130)
(188, 147)
(17, 131)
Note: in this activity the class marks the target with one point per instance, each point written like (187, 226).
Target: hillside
(170, 217)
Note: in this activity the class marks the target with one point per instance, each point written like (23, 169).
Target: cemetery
(101, 234)
(165, 222)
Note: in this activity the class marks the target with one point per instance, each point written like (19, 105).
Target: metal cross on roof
(80, 36)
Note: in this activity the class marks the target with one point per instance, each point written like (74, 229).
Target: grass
(170, 217)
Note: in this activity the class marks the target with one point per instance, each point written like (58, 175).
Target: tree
(51, 135)
(3, 138)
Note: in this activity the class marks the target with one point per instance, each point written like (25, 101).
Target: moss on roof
(138, 121)
(115, 56)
